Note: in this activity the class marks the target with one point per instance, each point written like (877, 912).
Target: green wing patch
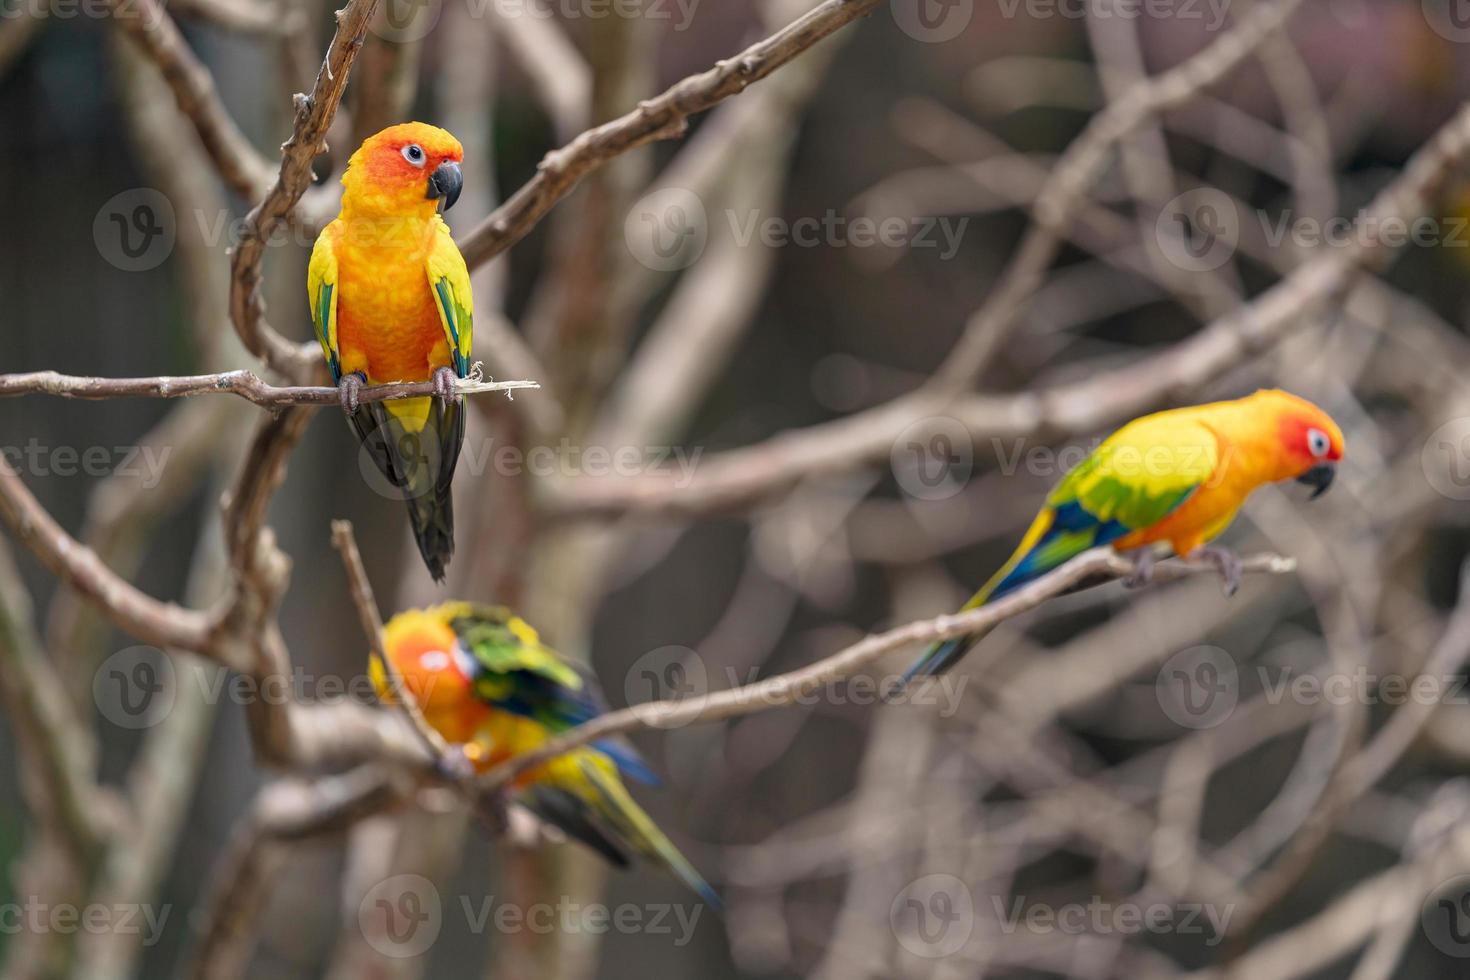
(503, 643)
(450, 279)
(321, 293)
(1142, 472)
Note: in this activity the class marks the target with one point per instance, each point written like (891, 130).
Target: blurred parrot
(486, 682)
(1175, 478)
(390, 297)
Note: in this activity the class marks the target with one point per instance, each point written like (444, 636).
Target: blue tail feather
(1072, 530)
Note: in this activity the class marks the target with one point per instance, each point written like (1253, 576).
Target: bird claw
(454, 766)
(1143, 569)
(444, 381)
(349, 392)
(1228, 564)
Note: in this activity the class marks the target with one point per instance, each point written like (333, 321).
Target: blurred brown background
(811, 820)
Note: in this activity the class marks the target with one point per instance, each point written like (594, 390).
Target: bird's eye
(1317, 442)
(414, 154)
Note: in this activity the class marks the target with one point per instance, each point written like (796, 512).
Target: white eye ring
(1317, 442)
(414, 154)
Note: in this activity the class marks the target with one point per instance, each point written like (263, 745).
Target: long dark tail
(1014, 573)
(585, 797)
(941, 656)
(415, 445)
(637, 830)
(946, 653)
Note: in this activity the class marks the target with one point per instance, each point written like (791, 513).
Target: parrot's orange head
(1310, 443)
(422, 649)
(405, 169)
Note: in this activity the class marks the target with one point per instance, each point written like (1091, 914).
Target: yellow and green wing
(321, 293)
(1133, 480)
(1137, 477)
(1142, 472)
(449, 277)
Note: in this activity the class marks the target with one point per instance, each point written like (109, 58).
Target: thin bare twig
(663, 117)
(739, 476)
(314, 113)
(149, 25)
(245, 384)
(372, 626)
(1074, 174)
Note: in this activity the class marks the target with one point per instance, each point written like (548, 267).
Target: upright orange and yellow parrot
(486, 682)
(1175, 478)
(390, 296)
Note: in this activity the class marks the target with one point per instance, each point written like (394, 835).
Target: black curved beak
(445, 182)
(1320, 477)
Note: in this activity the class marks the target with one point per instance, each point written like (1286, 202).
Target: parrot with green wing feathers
(485, 682)
(1173, 478)
(390, 297)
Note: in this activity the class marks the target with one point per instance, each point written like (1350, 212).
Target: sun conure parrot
(486, 682)
(1175, 478)
(390, 296)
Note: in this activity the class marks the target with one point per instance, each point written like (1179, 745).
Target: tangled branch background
(789, 315)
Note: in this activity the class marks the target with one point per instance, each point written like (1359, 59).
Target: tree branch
(314, 114)
(1094, 567)
(152, 29)
(664, 116)
(372, 626)
(162, 624)
(284, 811)
(1104, 399)
(245, 384)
